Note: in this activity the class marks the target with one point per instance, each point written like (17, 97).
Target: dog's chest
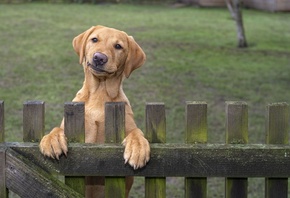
(94, 124)
(95, 112)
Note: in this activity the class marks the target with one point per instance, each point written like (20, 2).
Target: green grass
(191, 55)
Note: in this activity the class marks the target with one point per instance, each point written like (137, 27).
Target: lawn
(191, 55)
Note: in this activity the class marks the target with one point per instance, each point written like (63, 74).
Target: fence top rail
(167, 160)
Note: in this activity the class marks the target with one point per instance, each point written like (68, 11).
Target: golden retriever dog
(108, 57)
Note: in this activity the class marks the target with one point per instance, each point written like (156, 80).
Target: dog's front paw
(54, 144)
(137, 149)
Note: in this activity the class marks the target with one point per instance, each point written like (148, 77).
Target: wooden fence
(26, 172)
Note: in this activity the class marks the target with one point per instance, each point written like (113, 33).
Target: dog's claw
(54, 144)
(137, 150)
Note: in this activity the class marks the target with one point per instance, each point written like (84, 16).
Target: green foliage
(191, 55)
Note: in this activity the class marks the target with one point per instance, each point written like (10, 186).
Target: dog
(108, 56)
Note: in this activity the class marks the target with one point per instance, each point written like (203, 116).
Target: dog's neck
(93, 84)
(100, 85)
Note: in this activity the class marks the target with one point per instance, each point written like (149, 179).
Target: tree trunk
(234, 7)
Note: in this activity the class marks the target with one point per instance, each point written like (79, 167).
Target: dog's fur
(108, 56)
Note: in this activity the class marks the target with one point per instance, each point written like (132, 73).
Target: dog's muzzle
(99, 60)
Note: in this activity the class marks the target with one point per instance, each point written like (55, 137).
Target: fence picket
(74, 128)
(115, 133)
(196, 132)
(277, 119)
(3, 190)
(236, 133)
(155, 133)
(33, 121)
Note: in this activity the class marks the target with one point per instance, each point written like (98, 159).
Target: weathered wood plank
(115, 133)
(74, 121)
(33, 121)
(155, 122)
(196, 132)
(236, 122)
(115, 187)
(236, 133)
(155, 133)
(74, 127)
(197, 160)
(277, 125)
(28, 180)
(3, 190)
(196, 122)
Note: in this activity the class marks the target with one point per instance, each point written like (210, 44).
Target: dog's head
(108, 52)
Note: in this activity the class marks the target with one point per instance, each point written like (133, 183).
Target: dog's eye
(94, 40)
(118, 46)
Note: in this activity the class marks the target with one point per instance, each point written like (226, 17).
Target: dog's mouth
(97, 69)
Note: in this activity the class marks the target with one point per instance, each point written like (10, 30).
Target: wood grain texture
(236, 133)
(167, 160)
(27, 180)
(33, 121)
(196, 122)
(155, 133)
(277, 125)
(196, 132)
(74, 121)
(3, 190)
(155, 122)
(236, 122)
(74, 125)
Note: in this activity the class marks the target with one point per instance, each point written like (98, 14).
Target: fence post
(236, 133)
(155, 133)
(74, 129)
(277, 119)
(196, 132)
(33, 121)
(115, 133)
(3, 190)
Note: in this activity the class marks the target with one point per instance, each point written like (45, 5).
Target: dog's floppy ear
(79, 42)
(136, 57)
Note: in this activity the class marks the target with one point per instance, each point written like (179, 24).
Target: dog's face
(107, 51)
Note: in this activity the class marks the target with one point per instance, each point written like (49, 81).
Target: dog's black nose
(100, 59)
